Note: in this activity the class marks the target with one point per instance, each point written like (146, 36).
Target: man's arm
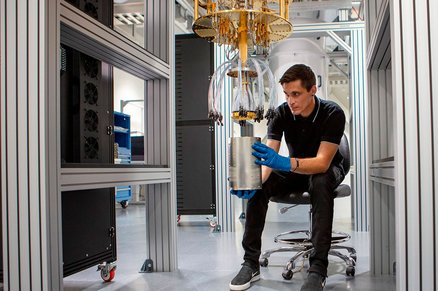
(318, 164)
(271, 159)
(266, 171)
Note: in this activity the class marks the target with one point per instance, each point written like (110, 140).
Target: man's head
(299, 86)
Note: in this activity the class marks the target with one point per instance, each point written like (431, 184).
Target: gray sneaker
(314, 282)
(243, 279)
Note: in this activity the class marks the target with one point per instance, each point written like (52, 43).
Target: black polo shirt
(304, 135)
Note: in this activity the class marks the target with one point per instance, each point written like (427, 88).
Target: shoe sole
(244, 286)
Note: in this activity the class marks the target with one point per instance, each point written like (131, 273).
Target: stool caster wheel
(263, 262)
(287, 274)
(354, 257)
(350, 271)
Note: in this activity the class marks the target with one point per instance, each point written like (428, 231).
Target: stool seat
(303, 197)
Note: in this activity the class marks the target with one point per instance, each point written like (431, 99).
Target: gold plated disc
(222, 27)
(234, 73)
(250, 115)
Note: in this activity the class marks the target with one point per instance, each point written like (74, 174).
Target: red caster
(107, 271)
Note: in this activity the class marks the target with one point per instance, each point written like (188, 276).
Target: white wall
(129, 87)
(299, 51)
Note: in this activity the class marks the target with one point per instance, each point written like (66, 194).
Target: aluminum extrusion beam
(148, 65)
(329, 26)
(320, 5)
(94, 178)
(339, 68)
(340, 41)
(186, 6)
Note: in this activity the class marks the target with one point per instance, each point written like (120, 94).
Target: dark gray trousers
(320, 187)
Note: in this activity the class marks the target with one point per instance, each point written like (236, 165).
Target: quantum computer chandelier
(245, 26)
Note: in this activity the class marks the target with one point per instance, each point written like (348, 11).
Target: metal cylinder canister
(245, 174)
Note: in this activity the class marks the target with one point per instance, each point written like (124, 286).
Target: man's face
(300, 100)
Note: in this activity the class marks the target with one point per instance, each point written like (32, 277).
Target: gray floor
(208, 261)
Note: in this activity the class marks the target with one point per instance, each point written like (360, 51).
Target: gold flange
(267, 26)
(234, 73)
(250, 115)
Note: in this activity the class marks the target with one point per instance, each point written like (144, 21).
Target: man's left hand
(270, 158)
(244, 194)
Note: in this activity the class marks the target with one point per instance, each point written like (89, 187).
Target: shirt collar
(312, 117)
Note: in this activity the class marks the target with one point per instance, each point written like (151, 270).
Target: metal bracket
(217, 228)
(148, 266)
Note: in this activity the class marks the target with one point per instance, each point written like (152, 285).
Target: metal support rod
(196, 7)
(211, 6)
(339, 41)
(243, 38)
(310, 220)
(123, 103)
(339, 68)
(286, 208)
(282, 8)
(286, 11)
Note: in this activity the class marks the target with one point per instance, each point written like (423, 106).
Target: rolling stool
(303, 245)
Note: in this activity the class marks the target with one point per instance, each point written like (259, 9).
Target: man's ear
(313, 90)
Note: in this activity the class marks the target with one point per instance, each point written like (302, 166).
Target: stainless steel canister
(245, 174)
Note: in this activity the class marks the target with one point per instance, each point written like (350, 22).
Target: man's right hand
(244, 194)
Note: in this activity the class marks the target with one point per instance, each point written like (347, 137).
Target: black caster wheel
(124, 204)
(350, 271)
(287, 274)
(263, 262)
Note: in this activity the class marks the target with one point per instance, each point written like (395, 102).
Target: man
(313, 129)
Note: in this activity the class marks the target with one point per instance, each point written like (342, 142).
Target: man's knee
(324, 182)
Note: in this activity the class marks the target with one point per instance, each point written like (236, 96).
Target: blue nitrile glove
(270, 158)
(244, 194)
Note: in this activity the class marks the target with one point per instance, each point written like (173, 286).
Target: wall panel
(160, 198)
(31, 245)
(381, 131)
(157, 38)
(414, 64)
(433, 66)
(224, 201)
(359, 130)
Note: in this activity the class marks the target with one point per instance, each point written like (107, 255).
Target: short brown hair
(299, 72)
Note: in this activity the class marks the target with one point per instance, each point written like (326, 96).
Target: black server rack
(88, 216)
(194, 131)
(88, 229)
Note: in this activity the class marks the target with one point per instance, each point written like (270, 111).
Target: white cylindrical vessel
(245, 174)
(293, 51)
